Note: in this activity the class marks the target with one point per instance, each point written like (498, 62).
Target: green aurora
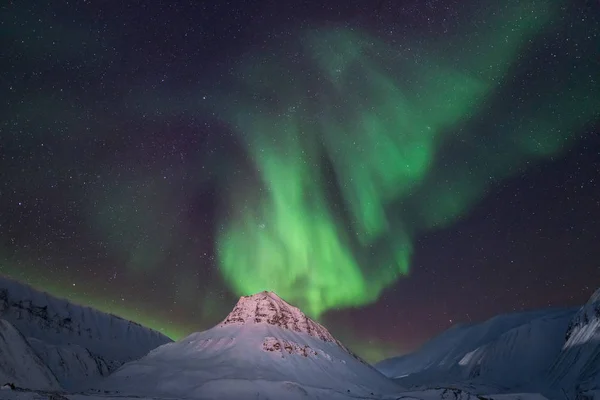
(378, 122)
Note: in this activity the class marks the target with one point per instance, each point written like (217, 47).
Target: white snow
(19, 364)
(264, 346)
(506, 350)
(71, 343)
(583, 334)
(281, 391)
(552, 352)
(518, 355)
(58, 322)
(452, 393)
(577, 368)
(73, 365)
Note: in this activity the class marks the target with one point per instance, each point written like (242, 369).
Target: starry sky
(390, 167)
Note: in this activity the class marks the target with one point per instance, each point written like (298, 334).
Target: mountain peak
(266, 346)
(595, 298)
(268, 308)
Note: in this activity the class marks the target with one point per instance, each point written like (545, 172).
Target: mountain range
(268, 349)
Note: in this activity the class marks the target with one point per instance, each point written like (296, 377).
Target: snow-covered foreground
(274, 393)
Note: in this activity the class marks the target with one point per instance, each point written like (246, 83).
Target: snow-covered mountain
(73, 341)
(56, 321)
(264, 346)
(505, 351)
(19, 364)
(553, 352)
(517, 356)
(576, 370)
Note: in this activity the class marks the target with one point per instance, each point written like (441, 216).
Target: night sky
(390, 167)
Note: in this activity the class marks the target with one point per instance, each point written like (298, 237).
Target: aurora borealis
(381, 133)
(390, 169)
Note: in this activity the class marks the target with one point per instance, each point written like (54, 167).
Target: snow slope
(457, 394)
(553, 352)
(433, 394)
(56, 321)
(506, 350)
(19, 364)
(72, 365)
(519, 355)
(264, 346)
(577, 368)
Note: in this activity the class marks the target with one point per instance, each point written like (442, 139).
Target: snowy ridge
(56, 321)
(518, 356)
(508, 353)
(19, 364)
(477, 349)
(553, 352)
